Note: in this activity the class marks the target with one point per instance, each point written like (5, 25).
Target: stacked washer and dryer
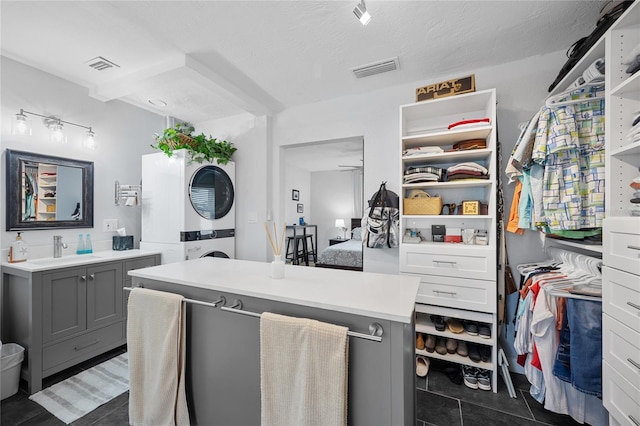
(188, 208)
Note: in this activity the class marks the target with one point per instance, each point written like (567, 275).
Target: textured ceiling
(211, 59)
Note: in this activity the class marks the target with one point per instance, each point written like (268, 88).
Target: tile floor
(439, 402)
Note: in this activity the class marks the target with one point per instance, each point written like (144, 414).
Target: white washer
(181, 200)
(177, 252)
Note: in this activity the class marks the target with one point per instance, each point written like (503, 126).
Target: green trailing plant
(200, 147)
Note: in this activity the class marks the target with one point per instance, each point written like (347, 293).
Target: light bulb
(55, 133)
(90, 139)
(21, 125)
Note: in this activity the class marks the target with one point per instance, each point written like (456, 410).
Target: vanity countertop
(384, 296)
(50, 263)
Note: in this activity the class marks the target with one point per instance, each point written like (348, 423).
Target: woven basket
(184, 141)
(422, 204)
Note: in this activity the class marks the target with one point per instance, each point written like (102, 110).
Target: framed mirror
(45, 192)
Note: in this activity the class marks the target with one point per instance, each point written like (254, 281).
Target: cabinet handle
(634, 420)
(634, 247)
(83, 277)
(445, 261)
(633, 305)
(453, 293)
(635, 364)
(92, 276)
(86, 345)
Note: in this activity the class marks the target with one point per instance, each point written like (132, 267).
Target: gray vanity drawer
(78, 346)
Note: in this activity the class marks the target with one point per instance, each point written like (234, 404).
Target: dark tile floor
(439, 402)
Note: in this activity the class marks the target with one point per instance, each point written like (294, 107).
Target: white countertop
(49, 263)
(383, 296)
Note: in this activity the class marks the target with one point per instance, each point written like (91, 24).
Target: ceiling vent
(376, 67)
(99, 63)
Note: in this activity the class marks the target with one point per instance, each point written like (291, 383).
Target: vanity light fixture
(361, 13)
(340, 224)
(21, 125)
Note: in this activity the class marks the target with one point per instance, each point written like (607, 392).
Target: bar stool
(296, 249)
(309, 249)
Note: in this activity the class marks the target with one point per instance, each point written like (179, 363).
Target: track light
(361, 13)
(22, 126)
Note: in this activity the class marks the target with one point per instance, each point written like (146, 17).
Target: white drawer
(459, 293)
(621, 243)
(451, 260)
(621, 296)
(621, 349)
(619, 397)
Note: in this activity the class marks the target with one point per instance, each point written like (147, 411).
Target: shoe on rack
(483, 378)
(419, 342)
(485, 353)
(462, 348)
(455, 326)
(430, 343)
(441, 346)
(474, 353)
(454, 374)
(451, 345)
(438, 322)
(484, 331)
(422, 366)
(469, 377)
(471, 328)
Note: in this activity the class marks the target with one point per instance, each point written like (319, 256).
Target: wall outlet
(110, 225)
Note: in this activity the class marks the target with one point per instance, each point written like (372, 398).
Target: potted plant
(200, 147)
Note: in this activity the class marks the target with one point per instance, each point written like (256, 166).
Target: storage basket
(185, 140)
(420, 202)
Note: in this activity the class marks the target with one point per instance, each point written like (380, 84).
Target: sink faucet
(58, 245)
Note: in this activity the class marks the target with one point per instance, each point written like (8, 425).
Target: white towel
(156, 345)
(304, 371)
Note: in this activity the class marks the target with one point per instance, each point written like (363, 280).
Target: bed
(346, 255)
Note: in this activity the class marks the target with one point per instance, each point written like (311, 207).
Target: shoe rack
(457, 280)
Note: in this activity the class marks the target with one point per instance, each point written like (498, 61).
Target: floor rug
(78, 395)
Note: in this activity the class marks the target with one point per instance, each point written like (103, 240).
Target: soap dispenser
(87, 245)
(80, 249)
(18, 250)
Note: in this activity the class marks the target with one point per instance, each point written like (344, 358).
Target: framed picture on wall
(295, 194)
(300, 208)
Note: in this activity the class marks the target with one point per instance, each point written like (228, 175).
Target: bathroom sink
(74, 258)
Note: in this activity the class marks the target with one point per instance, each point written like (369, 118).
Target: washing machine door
(215, 253)
(211, 192)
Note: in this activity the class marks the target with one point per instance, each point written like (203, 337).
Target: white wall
(299, 179)
(332, 198)
(124, 134)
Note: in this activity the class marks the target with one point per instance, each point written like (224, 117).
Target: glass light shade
(89, 141)
(21, 125)
(55, 133)
(340, 223)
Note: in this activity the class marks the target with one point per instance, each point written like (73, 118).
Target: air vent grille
(99, 63)
(376, 68)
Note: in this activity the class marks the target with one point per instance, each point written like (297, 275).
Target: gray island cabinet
(223, 341)
(66, 310)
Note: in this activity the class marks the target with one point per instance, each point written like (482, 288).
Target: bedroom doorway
(323, 185)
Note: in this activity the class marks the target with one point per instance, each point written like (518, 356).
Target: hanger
(557, 100)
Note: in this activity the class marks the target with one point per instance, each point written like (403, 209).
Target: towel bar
(375, 329)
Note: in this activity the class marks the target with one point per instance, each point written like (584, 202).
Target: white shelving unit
(457, 280)
(621, 239)
(47, 184)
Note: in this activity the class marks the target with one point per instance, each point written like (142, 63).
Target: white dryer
(177, 252)
(183, 201)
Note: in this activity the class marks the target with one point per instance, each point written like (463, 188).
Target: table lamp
(340, 224)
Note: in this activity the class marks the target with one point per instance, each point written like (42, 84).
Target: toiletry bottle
(80, 249)
(18, 250)
(87, 245)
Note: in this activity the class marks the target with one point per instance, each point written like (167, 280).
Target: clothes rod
(375, 329)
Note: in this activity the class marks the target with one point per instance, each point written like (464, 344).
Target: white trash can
(11, 361)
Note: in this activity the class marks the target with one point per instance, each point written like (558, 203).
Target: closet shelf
(448, 157)
(629, 88)
(456, 217)
(596, 51)
(588, 247)
(456, 358)
(423, 325)
(445, 137)
(631, 150)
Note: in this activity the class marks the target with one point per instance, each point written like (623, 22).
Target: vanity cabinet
(65, 315)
